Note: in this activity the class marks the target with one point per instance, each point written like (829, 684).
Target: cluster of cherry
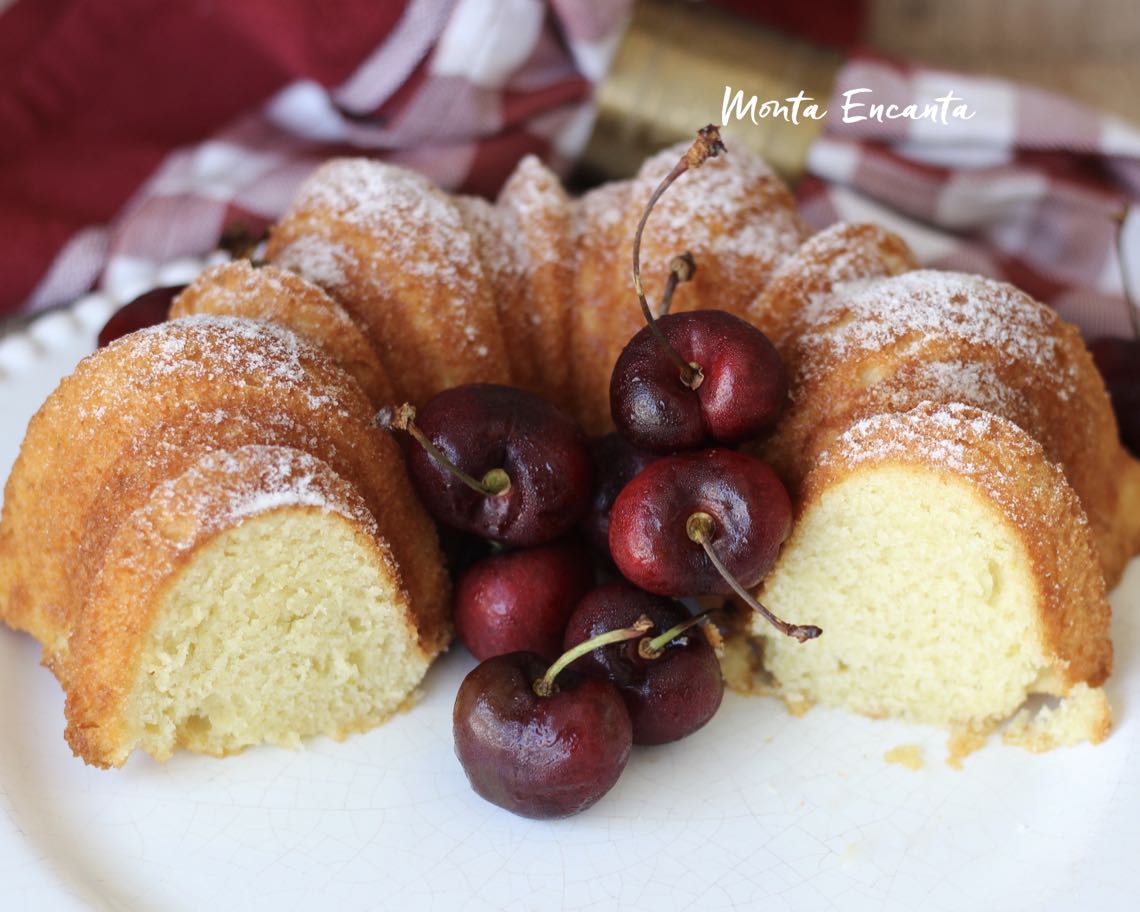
(677, 511)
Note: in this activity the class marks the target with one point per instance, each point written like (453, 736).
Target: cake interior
(287, 625)
(925, 595)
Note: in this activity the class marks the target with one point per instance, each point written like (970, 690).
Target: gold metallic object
(669, 76)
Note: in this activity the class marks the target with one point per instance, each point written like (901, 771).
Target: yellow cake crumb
(1084, 715)
(963, 741)
(908, 755)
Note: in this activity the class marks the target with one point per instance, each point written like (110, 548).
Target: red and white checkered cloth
(1033, 189)
(132, 133)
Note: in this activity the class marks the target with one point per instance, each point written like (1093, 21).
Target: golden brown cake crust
(240, 289)
(391, 247)
(949, 337)
(161, 538)
(839, 255)
(1006, 465)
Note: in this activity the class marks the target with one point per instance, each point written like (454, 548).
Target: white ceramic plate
(758, 810)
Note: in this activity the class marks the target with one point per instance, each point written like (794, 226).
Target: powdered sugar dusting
(262, 293)
(497, 248)
(320, 260)
(731, 208)
(928, 305)
(532, 187)
(410, 220)
(847, 251)
(227, 487)
(209, 349)
(838, 257)
(597, 213)
(937, 432)
(538, 210)
(956, 381)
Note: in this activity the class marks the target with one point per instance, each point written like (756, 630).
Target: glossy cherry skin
(615, 461)
(519, 601)
(668, 697)
(147, 309)
(747, 502)
(538, 756)
(484, 426)
(742, 394)
(1119, 363)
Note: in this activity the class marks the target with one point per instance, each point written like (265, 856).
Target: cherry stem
(652, 649)
(403, 418)
(241, 243)
(1133, 314)
(699, 527)
(681, 269)
(544, 686)
(707, 145)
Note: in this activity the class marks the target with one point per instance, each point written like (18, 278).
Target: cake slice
(953, 572)
(250, 600)
(123, 501)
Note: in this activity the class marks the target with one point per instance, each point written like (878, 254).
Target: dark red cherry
(519, 601)
(1119, 364)
(749, 506)
(147, 309)
(702, 523)
(528, 457)
(615, 461)
(739, 395)
(462, 549)
(670, 692)
(539, 756)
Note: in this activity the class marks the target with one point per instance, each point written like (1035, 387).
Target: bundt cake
(183, 504)
(115, 489)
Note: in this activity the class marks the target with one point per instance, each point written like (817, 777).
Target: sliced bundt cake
(119, 489)
(250, 600)
(953, 571)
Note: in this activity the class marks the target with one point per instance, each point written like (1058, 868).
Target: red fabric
(93, 95)
(839, 23)
(132, 131)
